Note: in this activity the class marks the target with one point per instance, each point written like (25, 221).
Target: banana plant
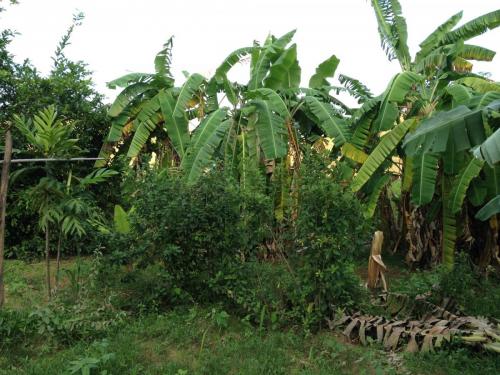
(271, 113)
(463, 141)
(436, 80)
(151, 108)
(272, 119)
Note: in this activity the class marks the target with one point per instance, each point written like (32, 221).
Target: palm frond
(425, 169)
(461, 184)
(473, 28)
(163, 60)
(393, 30)
(324, 70)
(206, 138)
(271, 130)
(381, 152)
(434, 39)
(333, 126)
(356, 88)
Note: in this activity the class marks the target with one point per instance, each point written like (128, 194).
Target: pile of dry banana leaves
(425, 326)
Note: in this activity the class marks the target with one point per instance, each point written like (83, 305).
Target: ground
(207, 340)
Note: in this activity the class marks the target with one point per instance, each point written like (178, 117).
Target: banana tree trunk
(423, 238)
(491, 249)
(4, 185)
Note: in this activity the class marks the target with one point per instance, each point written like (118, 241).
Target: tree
(58, 206)
(242, 127)
(437, 79)
(24, 90)
(150, 104)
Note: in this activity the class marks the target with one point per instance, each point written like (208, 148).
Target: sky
(123, 36)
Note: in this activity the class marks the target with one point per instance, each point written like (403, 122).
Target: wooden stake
(4, 186)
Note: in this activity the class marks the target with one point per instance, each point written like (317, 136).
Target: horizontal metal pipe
(49, 159)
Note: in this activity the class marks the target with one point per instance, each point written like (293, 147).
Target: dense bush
(195, 232)
(473, 293)
(261, 292)
(464, 284)
(199, 243)
(15, 326)
(331, 231)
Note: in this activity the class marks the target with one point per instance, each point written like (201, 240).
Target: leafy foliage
(326, 217)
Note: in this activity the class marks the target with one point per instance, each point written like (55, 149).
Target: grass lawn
(207, 340)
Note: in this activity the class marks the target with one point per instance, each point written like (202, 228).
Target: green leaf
(163, 60)
(471, 52)
(488, 98)
(461, 184)
(285, 72)
(387, 117)
(145, 122)
(460, 125)
(98, 176)
(325, 70)
(272, 49)
(453, 161)
(407, 174)
(231, 60)
(368, 107)
(127, 96)
(374, 195)
(449, 227)
(206, 139)
(396, 92)
(187, 92)
(352, 152)
(117, 126)
(356, 88)
(362, 133)
(380, 154)
(401, 84)
(127, 79)
(393, 30)
(177, 126)
(491, 208)
(460, 94)
(425, 169)
(271, 130)
(481, 85)
(274, 99)
(473, 28)
(489, 150)
(259, 71)
(333, 126)
(434, 39)
(121, 220)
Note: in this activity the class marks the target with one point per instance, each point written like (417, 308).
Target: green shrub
(193, 233)
(198, 243)
(331, 231)
(259, 291)
(473, 293)
(15, 327)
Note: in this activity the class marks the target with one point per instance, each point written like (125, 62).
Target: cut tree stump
(376, 266)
